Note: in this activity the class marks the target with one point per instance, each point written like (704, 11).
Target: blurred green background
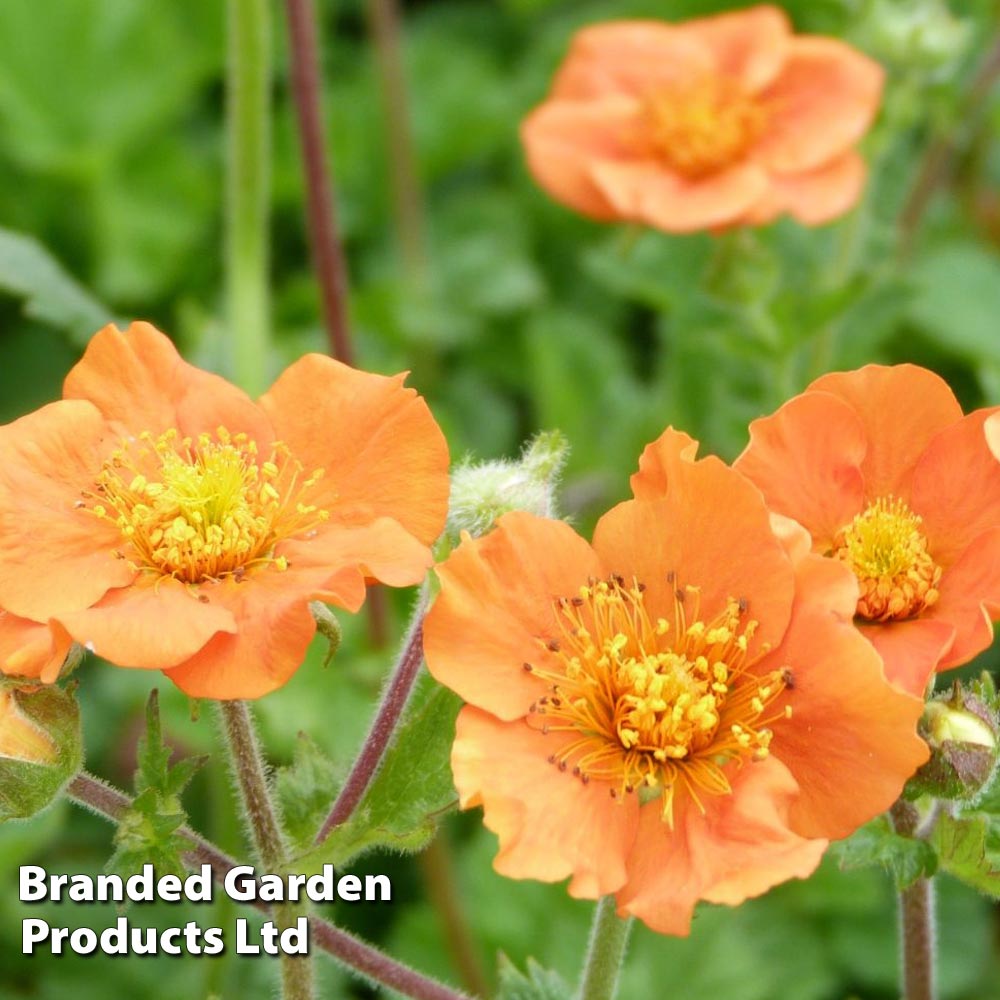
(513, 315)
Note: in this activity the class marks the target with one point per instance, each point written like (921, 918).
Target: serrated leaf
(964, 851)
(305, 790)
(147, 833)
(536, 983)
(410, 793)
(40, 746)
(877, 844)
(30, 272)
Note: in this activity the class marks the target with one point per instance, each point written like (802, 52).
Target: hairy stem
(101, 798)
(605, 952)
(262, 819)
(916, 919)
(394, 700)
(248, 142)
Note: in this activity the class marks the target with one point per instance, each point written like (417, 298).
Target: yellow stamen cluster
(653, 702)
(205, 508)
(887, 551)
(701, 127)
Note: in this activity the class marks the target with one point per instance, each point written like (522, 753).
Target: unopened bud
(961, 730)
(483, 491)
(923, 34)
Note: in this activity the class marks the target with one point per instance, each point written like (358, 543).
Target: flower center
(654, 702)
(702, 127)
(203, 509)
(887, 551)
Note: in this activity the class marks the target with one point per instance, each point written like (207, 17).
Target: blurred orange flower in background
(889, 477)
(715, 122)
(162, 519)
(670, 714)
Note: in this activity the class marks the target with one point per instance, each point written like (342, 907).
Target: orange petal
(748, 45)
(956, 487)
(902, 407)
(645, 191)
(550, 824)
(274, 629)
(562, 139)
(381, 450)
(138, 379)
(630, 58)
(806, 459)
(822, 103)
(28, 649)
(154, 624)
(911, 650)
(970, 599)
(496, 608)
(740, 847)
(56, 557)
(992, 430)
(813, 197)
(658, 464)
(712, 532)
(851, 741)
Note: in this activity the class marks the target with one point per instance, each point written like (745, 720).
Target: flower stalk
(262, 819)
(248, 157)
(916, 918)
(605, 952)
(394, 701)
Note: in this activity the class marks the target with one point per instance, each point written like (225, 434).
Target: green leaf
(410, 793)
(147, 833)
(534, 984)
(305, 790)
(877, 844)
(30, 272)
(963, 849)
(40, 746)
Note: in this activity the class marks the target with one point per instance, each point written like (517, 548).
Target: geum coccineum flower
(164, 520)
(680, 711)
(890, 479)
(716, 122)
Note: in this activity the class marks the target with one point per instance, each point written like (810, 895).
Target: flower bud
(922, 34)
(483, 491)
(40, 747)
(961, 730)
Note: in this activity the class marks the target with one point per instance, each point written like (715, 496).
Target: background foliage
(516, 316)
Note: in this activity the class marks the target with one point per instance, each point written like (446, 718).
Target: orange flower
(720, 121)
(890, 478)
(164, 520)
(681, 711)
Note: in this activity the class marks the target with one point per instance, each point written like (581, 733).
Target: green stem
(248, 154)
(605, 952)
(916, 919)
(262, 820)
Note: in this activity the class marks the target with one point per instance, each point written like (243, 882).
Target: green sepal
(41, 749)
(877, 844)
(411, 792)
(148, 832)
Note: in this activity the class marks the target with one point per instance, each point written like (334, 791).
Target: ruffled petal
(156, 623)
(911, 650)
(659, 463)
(749, 46)
(806, 459)
(382, 452)
(563, 139)
(137, 379)
(848, 724)
(630, 58)
(683, 541)
(29, 649)
(902, 407)
(648, 192)
(814, 197)
(56, 556)
(496, 607)
(824, 100)
(956, 487)
(550, 824)
(738, 848)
